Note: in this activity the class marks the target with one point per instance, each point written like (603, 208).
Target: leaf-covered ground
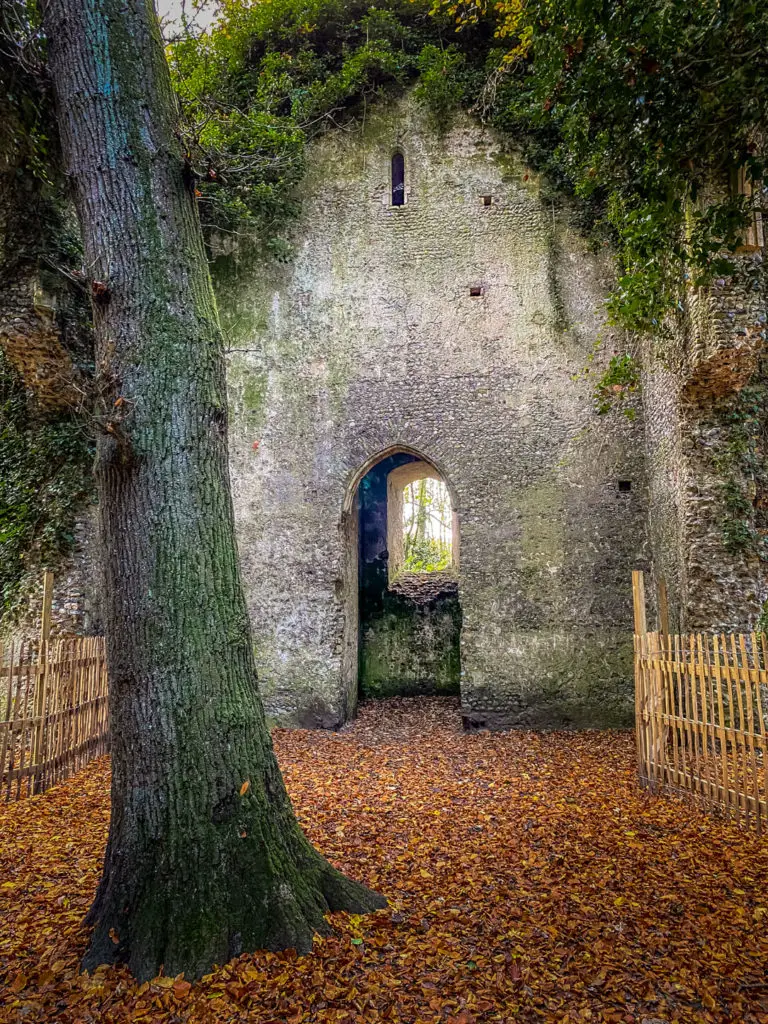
(528, 877)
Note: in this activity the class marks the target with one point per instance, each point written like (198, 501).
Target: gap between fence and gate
(701, 711)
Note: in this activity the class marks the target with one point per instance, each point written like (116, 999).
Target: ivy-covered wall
(46, 357)
(361, 337)
(705, 398)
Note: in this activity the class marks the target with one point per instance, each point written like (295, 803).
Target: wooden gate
(701, 715)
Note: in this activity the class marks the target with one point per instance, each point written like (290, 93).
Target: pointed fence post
(41, 683)
(641, 651)
(638, 599)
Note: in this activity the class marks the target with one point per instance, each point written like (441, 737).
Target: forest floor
(529, 879)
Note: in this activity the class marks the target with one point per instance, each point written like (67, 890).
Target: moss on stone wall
(46, 343)
(45, 482)
(557, 681)
(409, 648)
(740, 462)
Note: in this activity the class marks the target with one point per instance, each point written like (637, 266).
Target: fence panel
(701, 717)
(53, 712)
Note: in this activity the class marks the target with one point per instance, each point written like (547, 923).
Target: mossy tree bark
(199, 867)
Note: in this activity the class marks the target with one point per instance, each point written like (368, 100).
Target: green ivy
(616, 385)
(39, 222)
(426, 554)
(272, 76)
(739, 462)
(441, 88)
(636, 108)
(45, 481)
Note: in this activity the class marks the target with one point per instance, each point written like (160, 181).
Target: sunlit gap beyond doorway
(408, 596)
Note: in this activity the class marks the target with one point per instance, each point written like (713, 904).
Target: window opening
(398, 179)
(625, 485)
(422, 525)
(487, 200)
(427, 526)
(475, 290)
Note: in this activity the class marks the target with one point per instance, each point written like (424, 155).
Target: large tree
(205, 858)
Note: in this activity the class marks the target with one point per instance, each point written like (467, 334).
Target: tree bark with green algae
(205, 858)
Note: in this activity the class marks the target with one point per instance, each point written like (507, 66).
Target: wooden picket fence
(53, 708)
(701, 715)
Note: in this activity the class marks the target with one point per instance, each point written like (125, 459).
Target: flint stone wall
(369, 342)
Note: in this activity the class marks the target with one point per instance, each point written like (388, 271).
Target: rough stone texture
(31, 339)
(45, 334)
(367, 346)
(369, 343)
(42, 307)
(76, 605)
(706, 428)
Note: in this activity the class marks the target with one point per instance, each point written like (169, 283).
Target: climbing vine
(45, 460)
(637, 109)
(38, 222)
(271, 76)
(640, 111)
(45, 480)
(739, 461)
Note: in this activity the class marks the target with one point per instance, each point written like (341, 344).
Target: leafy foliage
(44, 482)
(739, 462)
(528, 877)
(637, 108)
(271, 76)
(427, 554)
(620, 380)
(38, 222)
(440, 83)
(44, 463)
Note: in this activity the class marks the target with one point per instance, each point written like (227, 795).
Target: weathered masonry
(437, 311)
(433, 325)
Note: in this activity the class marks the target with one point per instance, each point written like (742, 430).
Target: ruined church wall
(704, 396)
(369, 340)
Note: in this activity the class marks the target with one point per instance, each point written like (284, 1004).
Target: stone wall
(368, 345)
(706, 412)
(45, 334)
(76, 608)
(369, 342)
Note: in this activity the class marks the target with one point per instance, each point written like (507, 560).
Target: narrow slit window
(475, 290)
(625, 486)
(398, 179)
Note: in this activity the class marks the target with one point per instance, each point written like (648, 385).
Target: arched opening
(403, 629)
(398, 179)
(422, 526)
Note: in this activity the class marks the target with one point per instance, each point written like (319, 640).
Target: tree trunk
(205, 858)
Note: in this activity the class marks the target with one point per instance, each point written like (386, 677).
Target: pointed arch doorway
(402, 609)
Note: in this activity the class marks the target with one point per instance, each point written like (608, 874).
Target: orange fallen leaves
(529, 880)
